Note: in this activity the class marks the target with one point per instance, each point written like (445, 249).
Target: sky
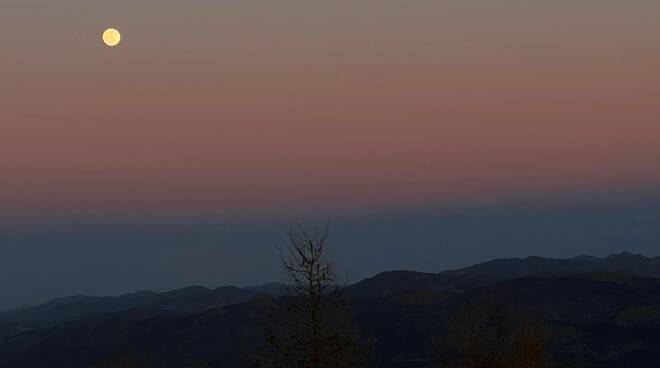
(181, 155)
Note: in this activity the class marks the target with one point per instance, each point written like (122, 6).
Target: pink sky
(297, 106)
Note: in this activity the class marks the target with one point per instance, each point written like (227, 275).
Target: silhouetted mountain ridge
(190, 299)
(620, 291)
(196, 298)
(628, 263)
(614, 316)
(499, 270)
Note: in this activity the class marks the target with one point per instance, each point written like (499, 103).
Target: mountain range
(609, 306)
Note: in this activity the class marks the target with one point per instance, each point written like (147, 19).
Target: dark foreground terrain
(606, 311)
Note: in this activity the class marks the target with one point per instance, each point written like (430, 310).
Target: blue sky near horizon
(111, 258)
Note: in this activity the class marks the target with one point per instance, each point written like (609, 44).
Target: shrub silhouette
(487, 336)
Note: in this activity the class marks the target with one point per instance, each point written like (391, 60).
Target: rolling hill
(609, 306)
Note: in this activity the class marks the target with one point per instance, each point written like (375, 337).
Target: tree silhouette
(312, 327)
(487, 336)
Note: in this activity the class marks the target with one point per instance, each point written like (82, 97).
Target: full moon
(111, 37)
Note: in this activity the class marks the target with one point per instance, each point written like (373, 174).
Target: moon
(111, 37)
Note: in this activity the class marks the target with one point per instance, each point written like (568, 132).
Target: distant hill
(499, 270)
(397, 282)
(613, 317)
(191, 299)
(609, 305)
(627, 263)
(194, 299)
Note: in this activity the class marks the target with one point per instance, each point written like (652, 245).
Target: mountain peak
(627, 255)
(625, 262)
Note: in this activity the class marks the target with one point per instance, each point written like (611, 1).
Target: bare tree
(313, 328)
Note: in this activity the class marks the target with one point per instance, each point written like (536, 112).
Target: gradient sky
(218, 117)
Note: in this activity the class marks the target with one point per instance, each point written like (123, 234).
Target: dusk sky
(432, 134)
